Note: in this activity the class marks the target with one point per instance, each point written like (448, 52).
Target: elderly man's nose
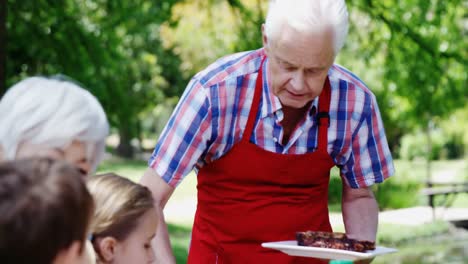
(298, 81)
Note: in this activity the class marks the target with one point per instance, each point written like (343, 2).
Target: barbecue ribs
(332, 240)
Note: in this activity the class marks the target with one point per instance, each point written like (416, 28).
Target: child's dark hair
(44, 207)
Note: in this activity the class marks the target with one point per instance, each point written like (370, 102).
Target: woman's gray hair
(53, 112)
(308, 16)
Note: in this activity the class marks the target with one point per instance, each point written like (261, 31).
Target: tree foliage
(135, 55)
(425, 53)
(411, 53)
(112, 47)
(417, 51)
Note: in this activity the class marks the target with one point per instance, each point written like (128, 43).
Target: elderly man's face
(75, 154)
(298, 65)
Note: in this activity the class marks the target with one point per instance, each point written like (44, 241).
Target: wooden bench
(448, 190)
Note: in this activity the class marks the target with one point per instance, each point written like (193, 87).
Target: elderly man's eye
(289, 67)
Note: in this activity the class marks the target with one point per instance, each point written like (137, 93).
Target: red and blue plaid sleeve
(370, 160)
(185, 136)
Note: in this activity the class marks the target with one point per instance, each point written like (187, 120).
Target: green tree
(425, 54)
(112, 47)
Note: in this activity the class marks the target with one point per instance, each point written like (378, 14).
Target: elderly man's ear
(264, 38)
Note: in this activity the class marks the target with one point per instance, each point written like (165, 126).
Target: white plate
(290, 247)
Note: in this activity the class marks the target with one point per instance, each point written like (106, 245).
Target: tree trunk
(428, 165)
(3, 46)
(125, 148)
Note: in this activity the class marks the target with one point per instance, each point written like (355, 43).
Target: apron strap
(323, 117)
(255, 104)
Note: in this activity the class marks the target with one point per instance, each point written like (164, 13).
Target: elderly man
(262, 129)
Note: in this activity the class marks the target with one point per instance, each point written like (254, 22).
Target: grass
(439, 249)
(132, 169)
(180, 239)
(440, 169)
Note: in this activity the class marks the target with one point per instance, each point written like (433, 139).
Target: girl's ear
(107, 248)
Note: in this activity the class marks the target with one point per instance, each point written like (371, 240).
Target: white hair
(53, 112)
(308, 16)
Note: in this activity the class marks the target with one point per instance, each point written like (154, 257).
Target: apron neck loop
(255, 103)
(323, 116)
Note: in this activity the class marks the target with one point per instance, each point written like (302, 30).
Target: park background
(138, 56)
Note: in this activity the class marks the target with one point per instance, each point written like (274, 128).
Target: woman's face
(75, 154)
(137, 247)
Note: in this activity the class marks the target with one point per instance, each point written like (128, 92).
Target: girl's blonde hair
(120, 203)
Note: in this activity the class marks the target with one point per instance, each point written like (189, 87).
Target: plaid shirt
(212, 113)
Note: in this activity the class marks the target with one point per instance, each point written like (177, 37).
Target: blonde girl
(124, 222)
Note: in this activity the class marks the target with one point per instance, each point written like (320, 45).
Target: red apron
(250, 196)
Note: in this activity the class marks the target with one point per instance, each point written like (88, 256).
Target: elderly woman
(52, 117)
(56, 118)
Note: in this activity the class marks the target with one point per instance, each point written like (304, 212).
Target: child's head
(45, 212)
(124, 221)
